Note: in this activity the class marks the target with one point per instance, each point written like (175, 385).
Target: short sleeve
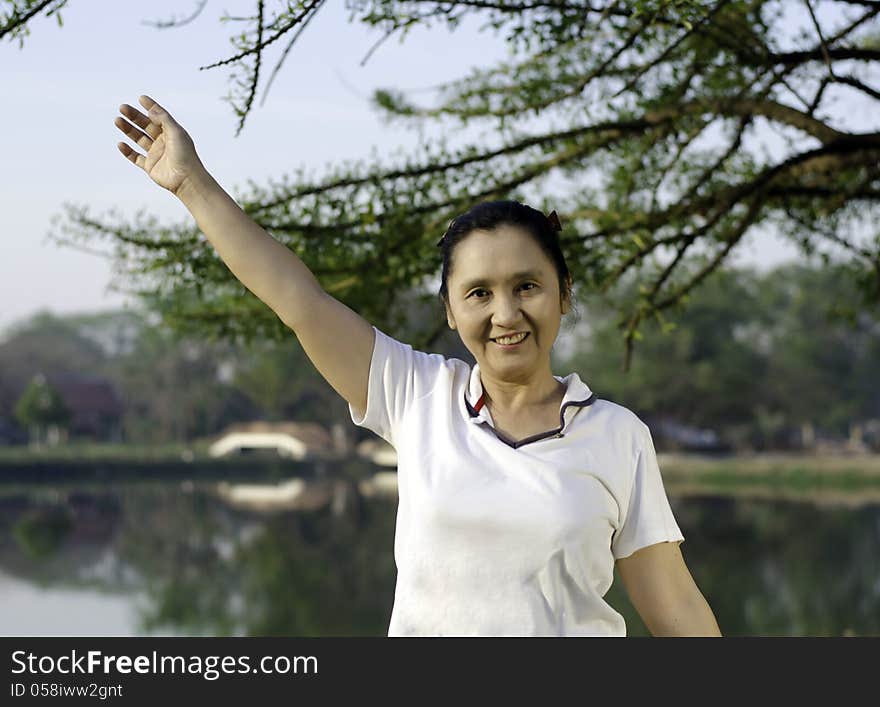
(398, 376)
(649, 519)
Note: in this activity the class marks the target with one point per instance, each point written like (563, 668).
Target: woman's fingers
(157, 113)
(135, 116)
(132, 155)
(136, 136)
(148, 102)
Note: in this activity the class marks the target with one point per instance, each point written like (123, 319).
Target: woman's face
(502, 283)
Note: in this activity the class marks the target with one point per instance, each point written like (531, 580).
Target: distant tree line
(173, 387)
(769, 360)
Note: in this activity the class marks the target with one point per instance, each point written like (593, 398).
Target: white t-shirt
(496, 537)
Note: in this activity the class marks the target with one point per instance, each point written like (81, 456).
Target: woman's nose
(506, 311)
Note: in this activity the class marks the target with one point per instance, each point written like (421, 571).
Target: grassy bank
(850, 481)
(90, 451)
(785, 469)
(774, 460)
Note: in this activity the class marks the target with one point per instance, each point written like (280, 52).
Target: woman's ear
(566, 297)
(449, 318)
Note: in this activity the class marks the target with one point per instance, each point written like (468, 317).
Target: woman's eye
(481, 292)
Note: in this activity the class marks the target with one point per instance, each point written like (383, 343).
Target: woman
(519, 492)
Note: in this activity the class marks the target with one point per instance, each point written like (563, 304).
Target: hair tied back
(553, 218)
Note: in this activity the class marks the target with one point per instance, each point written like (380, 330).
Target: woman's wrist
(196, 188)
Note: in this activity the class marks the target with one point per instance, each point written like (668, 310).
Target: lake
(183, 558)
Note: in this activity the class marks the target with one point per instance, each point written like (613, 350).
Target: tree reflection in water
(766, 567)
(213, 570)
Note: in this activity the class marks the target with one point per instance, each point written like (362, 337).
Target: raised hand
(170, 160)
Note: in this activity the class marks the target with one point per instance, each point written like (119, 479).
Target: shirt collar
(577, 394)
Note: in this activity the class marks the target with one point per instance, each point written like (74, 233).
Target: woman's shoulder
(618, 416)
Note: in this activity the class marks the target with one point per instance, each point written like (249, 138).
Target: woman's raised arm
(338, 341)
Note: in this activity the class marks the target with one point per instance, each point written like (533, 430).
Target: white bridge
(300, 441)
(286, 445)
(293, 440)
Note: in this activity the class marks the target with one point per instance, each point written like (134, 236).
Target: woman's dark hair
(487, 216)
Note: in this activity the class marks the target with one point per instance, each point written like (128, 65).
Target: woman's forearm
(266, 267)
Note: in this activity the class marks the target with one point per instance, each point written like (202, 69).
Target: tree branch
(273, 38)
(854, 82)
(167, 24)
(16, 20)
(825, 53)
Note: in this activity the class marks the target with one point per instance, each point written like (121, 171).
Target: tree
(756, 356)
(657, 113)
(824, 362)
(280, 379)
(43, 343)
(170, 384)
(704, 370)
(40, 409)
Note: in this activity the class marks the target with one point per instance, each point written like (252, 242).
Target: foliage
(14, 22)
(50, 343)
(657, 115)
(41, 405)
(755, 356)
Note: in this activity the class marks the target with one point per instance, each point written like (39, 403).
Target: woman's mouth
(510, 342)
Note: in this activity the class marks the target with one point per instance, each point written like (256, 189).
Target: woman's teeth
(507, 340)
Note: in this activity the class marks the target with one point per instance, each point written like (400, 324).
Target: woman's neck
(513, 398)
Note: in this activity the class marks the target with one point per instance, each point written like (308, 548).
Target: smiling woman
(503, 528)
(518, 489)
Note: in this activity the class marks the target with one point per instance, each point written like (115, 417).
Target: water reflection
(316, 559)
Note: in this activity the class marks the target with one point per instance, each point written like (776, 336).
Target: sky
(62, 91)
